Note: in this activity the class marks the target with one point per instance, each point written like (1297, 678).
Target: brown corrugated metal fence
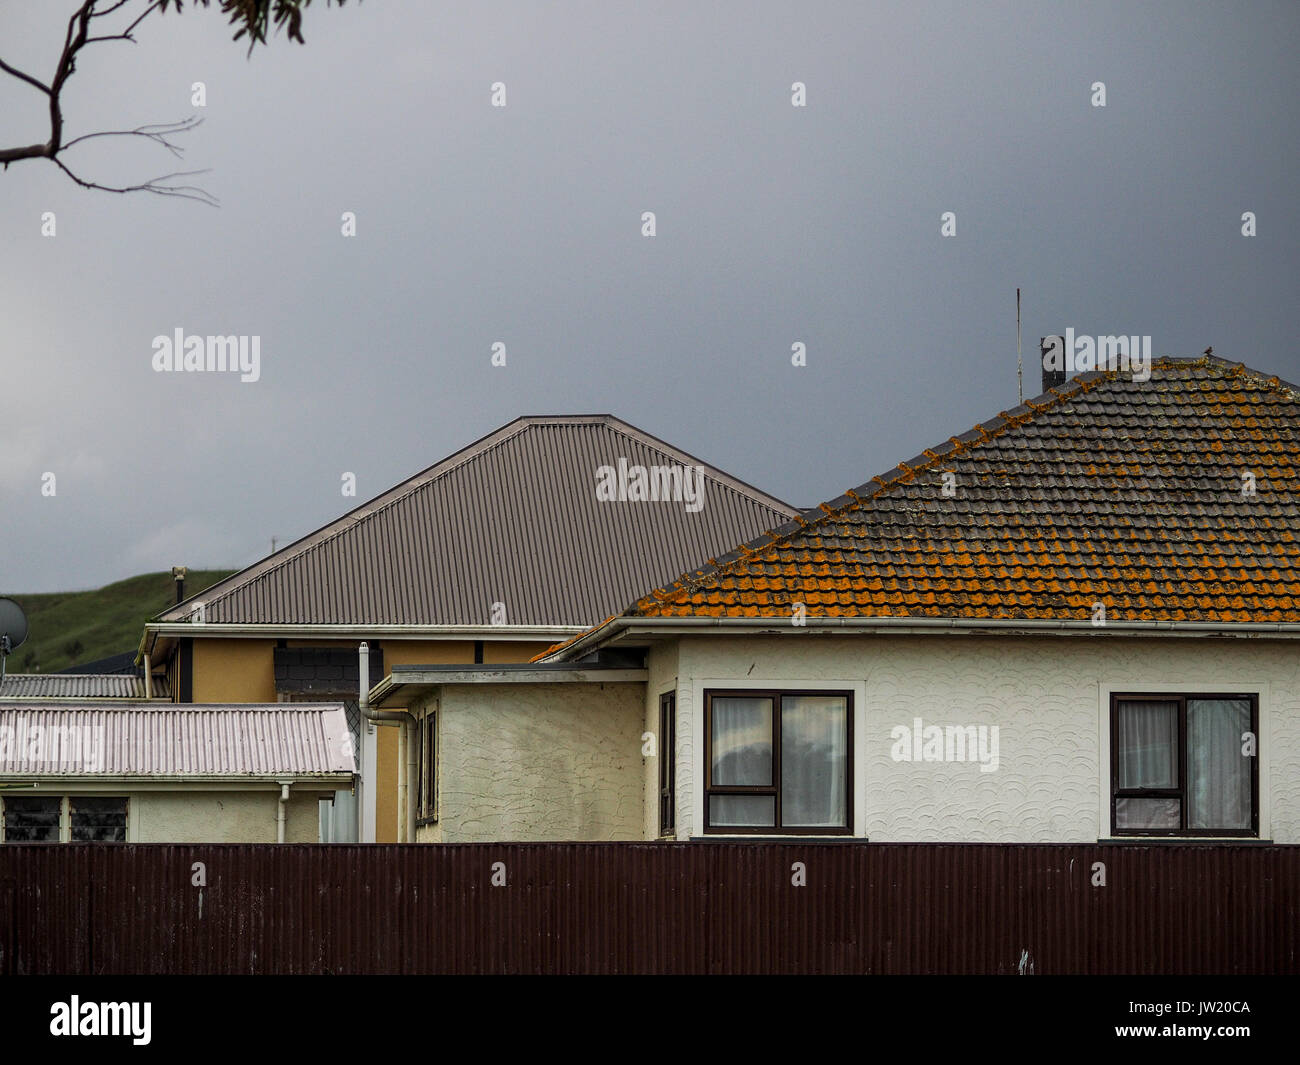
(654, 908)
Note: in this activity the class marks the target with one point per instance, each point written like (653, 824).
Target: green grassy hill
(68, 628)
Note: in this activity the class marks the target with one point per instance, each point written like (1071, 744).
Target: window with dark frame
(428, 765)
(31, 819)
(1184, 765)
(38, 819)
(97, 819)
(778, 761)
(667, 763)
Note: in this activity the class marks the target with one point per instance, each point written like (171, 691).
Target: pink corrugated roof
(194, 740)
(39, 686)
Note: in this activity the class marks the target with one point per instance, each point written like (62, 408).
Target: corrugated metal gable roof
(152, 740)
(512, 519)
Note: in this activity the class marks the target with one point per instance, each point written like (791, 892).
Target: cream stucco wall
(243, 671)
(221, 816)
(1047, 697)
(661, 664)
(521, 762)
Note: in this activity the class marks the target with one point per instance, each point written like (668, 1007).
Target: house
(528, 536)
(1076, 622)
(122, 770)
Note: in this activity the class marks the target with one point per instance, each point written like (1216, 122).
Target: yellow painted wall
(233, 671)
(513, 652)
(387, 817)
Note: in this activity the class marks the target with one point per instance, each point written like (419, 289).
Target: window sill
(754, 837)
(1243, 841)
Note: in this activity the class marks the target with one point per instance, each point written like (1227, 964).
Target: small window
(667, 763)
(97, 820)
(1184, 765)
(427, 790)
(32, 820)
(778, 762)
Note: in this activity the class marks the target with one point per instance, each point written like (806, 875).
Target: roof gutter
(895, 626)
(424, 677)
(330, 780)
(161, 630)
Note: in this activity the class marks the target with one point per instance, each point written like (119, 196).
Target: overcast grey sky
(522, 224)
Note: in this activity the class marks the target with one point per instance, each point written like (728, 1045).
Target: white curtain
(1148, 758)
(814, 760)
(742, 755)
(1218, 774)
(1148, 744)
(742, 740)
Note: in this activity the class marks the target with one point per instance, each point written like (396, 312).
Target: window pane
(428, 787)
(814, 761)
(742, 811)
(742, 741)
(1146, 813)
(667, 762)
(29, 820)
(98, 820)
(1218, 774)
(1148, 744)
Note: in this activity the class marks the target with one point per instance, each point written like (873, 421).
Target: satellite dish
(13, 626)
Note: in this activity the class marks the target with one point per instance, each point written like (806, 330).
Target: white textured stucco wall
(1045, 696)
(661, 664)
(221, 817)
(533, 762)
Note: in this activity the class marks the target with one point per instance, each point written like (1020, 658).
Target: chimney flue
(1052, 357)
(178, 575)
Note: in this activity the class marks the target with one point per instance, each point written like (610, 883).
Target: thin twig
(156, 133)
(24, 77)
(185, 192)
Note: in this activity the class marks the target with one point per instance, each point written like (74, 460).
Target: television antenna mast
(1020, 363)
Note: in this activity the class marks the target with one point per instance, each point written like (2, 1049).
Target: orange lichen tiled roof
(1174, 499)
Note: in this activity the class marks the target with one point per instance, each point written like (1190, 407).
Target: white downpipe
(370, 752)
(369, 755)
(280, 813)
(412, 732)
(401, 785)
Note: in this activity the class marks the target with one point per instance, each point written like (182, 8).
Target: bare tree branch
(154, 185)
(251, 18)
(156, 133)
(110, 10)
(24, 77)
(125, 35)
(75, 38)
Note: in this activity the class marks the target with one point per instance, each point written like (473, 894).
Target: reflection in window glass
(742, 741)
(1218, 774)
(1148, 744)
(814, 759)
(97, 820)
(31, 820)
